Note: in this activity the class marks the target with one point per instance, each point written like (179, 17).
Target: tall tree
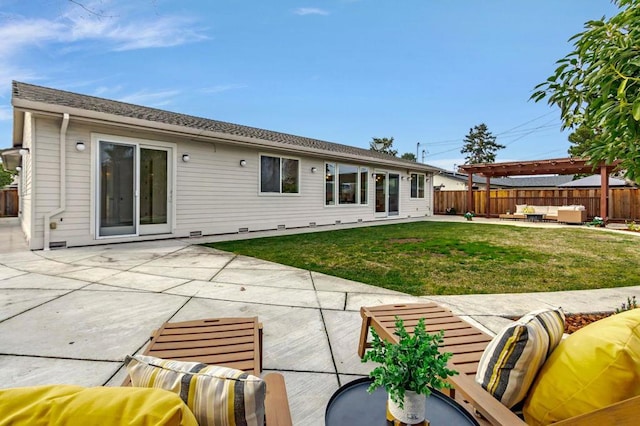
(480, 146)
(581, 139)
(386, 146)
(409, 156)
(598, 85)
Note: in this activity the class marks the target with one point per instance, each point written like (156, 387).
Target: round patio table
(352, 405)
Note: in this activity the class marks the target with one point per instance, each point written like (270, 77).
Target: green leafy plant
(414, 363)
(633, 226)
(469, 215)
(631, 304)
(597, 222)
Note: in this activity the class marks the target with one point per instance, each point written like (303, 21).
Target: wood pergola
(558, 166)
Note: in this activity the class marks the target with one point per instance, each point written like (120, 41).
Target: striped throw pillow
(512, 359)
(216, 395)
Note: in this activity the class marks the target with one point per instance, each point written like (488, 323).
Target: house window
(279, 175)
(417, 185)
(330, 184)
(364, 185)
(345, 184)
(348, 184)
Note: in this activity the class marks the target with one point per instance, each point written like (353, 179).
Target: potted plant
(469, 215)
(409, 369)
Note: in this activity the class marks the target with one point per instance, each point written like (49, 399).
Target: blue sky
(338, 70)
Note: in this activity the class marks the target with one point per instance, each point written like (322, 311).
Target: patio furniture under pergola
(560, 166)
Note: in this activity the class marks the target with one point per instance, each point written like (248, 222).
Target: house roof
(517, 182)
(593, 181)
(29, 96)
(532, 181)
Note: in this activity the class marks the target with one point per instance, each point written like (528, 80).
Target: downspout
(63, 182)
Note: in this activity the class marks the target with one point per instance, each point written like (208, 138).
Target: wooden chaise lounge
(230, 342)
(467, 344)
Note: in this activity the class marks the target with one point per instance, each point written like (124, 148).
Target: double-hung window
(417, 185)
(279, 175)
(345, 184)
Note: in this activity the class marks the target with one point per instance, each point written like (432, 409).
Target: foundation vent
(281, 227)
(243, 230)
(57, 244)
(338, 222)
(359, 220)
(195, 234)
(312, 224)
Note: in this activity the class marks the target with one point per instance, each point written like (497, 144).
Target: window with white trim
(417, 185)
(345, 184)
(279, 175)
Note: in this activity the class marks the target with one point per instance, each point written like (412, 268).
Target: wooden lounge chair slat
(199, 343)
(244, 348)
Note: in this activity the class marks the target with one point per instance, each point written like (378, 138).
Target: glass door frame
(387, 177)
(138, 144)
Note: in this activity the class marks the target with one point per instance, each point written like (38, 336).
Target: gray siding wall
(213, 193)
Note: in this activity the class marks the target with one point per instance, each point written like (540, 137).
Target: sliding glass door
(387, 194)
(117, 189)
(134, 196)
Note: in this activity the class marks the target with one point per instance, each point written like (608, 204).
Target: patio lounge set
(591, 377)
(574, 214)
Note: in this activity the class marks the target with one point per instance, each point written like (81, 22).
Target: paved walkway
(70, 316)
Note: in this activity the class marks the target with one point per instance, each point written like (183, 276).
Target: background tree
(480, 146)
(598, 85)
(387, 146)
(409, 156)
(6, 177)
(581, 140)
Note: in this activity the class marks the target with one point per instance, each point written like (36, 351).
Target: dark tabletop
(352, 405)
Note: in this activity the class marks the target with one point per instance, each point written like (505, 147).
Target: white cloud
(224, 88)
(118, 33)
(153, 99)
(302, 11)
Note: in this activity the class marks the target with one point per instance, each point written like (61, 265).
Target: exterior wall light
(186, 158)
(18, 169)
(80, 146)
(23, 151)
(243, 163)
(314, 169)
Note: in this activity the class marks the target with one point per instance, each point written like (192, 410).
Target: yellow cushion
(596, 366)
(218, 396)
(76, 405)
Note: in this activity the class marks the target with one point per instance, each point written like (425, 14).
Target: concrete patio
(71, 315)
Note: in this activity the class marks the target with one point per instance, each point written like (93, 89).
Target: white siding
(213, 193)
(26, 183)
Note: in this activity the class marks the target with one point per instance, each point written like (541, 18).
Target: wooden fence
(624, 203)
(8, 202)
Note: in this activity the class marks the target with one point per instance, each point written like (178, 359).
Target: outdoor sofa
(564, 214)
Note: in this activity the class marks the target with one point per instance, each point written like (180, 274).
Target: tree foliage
(387, 146)
(6, 177)
(409, 156)
(598, 85)
(480, 146)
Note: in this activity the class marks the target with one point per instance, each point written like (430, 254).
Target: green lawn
(424, 258)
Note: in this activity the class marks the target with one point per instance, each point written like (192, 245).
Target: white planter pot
(414, 408)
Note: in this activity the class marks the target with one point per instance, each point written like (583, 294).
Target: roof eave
(21, 105)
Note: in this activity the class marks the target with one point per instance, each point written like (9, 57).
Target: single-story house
(97, 171)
